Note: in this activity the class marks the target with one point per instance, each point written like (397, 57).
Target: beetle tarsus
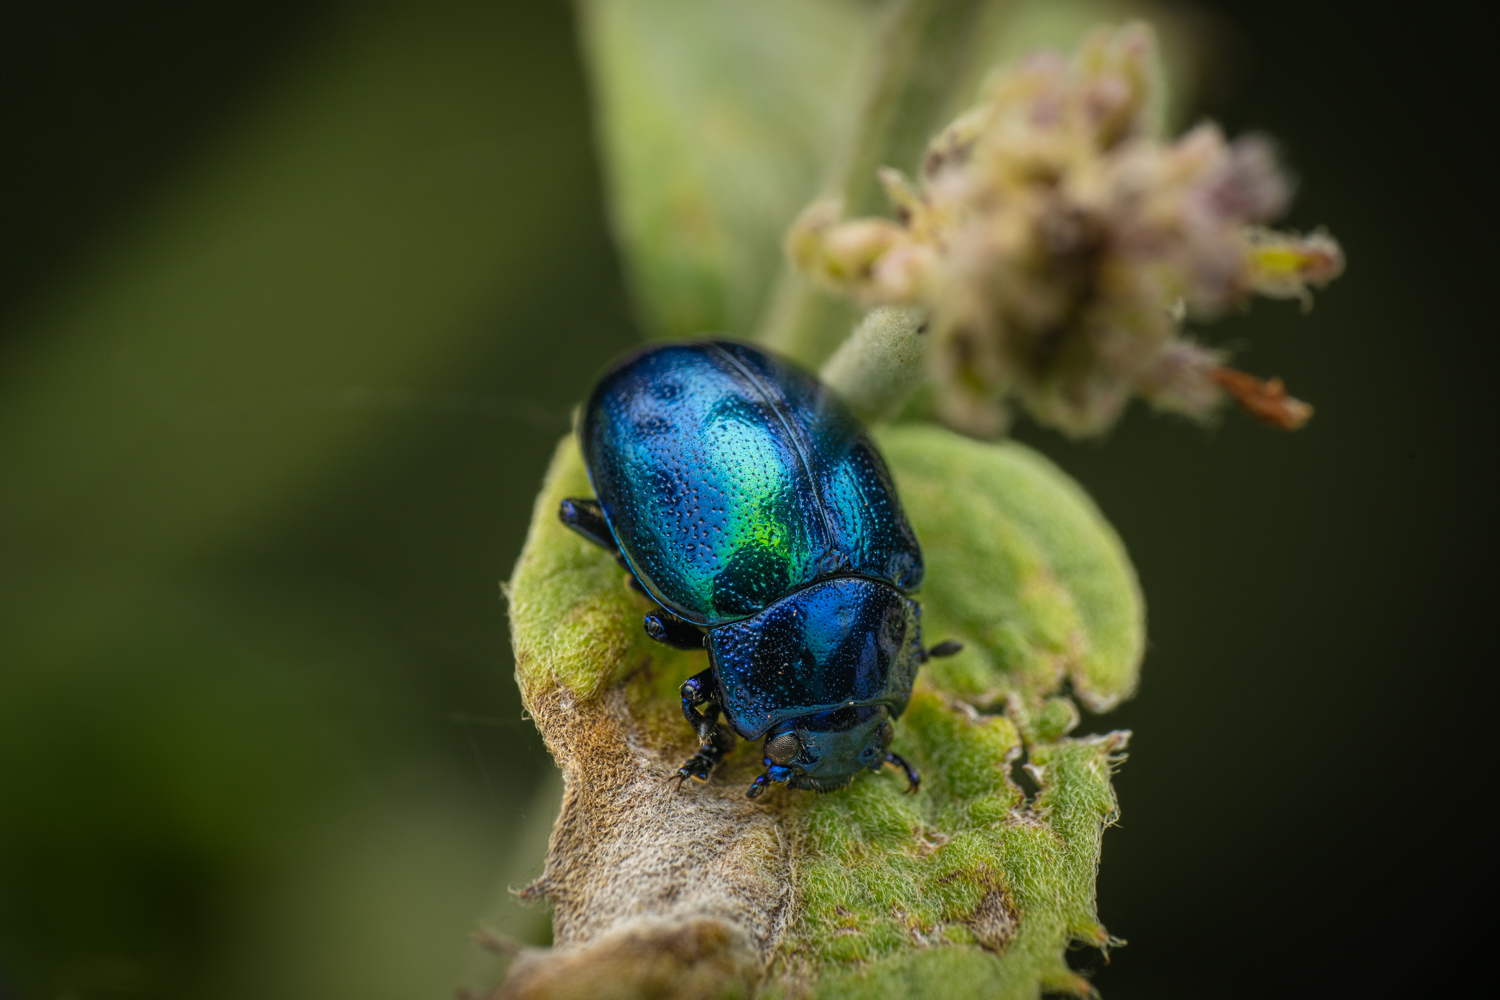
(701, 764)
(914, 780)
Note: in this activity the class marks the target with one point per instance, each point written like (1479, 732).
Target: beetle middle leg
(714, 741)
(669, 630)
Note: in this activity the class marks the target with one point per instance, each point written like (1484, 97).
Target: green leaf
(574, 622)
(1021, 567)
(963, 889)
(718, 121)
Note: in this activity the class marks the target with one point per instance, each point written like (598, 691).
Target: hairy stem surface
(923, 54)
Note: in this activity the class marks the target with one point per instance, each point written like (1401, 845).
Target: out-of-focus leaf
(234, 631)
(718, 122)
(1185, 37)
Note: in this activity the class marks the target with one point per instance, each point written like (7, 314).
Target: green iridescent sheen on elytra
(730, 479)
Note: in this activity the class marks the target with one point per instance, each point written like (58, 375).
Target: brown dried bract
(653, 894)
(1266, 401)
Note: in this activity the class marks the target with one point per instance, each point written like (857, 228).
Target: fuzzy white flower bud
(1058, 243)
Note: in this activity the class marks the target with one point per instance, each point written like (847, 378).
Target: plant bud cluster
(1058, 243)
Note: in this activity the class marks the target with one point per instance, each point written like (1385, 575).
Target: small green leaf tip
(708, 151)
(968, 888)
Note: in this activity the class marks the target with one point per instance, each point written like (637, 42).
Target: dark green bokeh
(1301, 803)
(298, 299)
(269, 433)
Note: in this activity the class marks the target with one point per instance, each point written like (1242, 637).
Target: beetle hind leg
(585, 516)
(714, 740)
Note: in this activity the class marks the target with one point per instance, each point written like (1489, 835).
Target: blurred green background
(296, 298)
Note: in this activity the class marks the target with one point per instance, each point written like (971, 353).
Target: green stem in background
(881, 363)
(922, 57)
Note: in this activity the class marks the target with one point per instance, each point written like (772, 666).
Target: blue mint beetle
(748, 502)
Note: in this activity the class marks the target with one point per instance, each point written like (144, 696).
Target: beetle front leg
(714, 741)
(774, 773)
(913, 779)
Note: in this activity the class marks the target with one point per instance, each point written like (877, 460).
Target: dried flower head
(1059, 243)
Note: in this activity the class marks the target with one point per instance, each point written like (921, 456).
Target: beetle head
(825, 750)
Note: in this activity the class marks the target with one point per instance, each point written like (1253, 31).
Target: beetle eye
(783, 749)
(887, 733)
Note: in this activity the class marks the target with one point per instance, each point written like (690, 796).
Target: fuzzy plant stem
(881, 363)
(923, 55)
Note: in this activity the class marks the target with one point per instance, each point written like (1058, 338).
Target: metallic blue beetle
(748, 502)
